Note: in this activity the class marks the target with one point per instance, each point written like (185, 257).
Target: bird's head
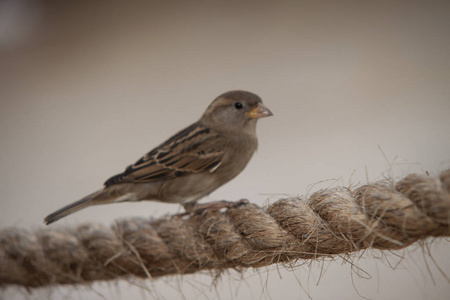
(235, 111)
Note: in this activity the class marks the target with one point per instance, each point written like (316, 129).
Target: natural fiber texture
(330, 222)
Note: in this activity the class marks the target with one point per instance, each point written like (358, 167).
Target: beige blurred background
(87, 88)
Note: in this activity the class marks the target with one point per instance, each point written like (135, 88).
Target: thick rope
(330, 222)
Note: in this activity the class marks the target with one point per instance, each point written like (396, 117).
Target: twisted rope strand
(330, 222)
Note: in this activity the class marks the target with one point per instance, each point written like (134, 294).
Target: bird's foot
(217, 205)
(200, 209)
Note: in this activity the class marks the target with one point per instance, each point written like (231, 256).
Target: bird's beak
(259, 111)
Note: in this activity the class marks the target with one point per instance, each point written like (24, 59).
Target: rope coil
(330, 222)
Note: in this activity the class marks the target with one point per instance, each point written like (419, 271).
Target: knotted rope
(330, 222)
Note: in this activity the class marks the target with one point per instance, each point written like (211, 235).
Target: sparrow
(192, 163)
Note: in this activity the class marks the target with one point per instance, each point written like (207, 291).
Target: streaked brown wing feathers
(193, 150)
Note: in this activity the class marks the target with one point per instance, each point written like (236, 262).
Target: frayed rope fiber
(330, 222)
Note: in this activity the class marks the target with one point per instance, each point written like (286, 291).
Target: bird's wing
(193, 150)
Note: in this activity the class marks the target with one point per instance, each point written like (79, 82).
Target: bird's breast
(237, 157)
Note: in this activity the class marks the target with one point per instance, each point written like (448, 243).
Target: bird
(192, 163)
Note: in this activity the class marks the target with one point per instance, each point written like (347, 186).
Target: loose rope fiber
(333, 221)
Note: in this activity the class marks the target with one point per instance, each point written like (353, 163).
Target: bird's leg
(196, 209)
(189, 207)
(217, 205)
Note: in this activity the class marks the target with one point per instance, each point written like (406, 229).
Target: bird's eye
(238, 105)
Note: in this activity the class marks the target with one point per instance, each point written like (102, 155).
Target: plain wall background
(87, 88)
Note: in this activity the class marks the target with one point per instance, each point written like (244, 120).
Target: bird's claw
(201, 209)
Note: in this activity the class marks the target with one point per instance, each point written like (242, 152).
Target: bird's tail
(89, 200)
